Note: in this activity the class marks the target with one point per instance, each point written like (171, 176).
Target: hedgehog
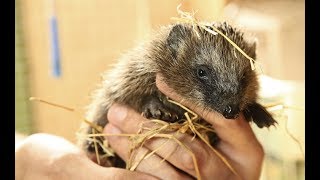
(201, 67)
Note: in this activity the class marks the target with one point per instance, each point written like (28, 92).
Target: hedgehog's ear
(175, 39)
(260, 116)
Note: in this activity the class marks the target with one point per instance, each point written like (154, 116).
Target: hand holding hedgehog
(237, 142)
(49, 156)
(203, 68)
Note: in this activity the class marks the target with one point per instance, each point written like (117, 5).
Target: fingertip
(117, 113)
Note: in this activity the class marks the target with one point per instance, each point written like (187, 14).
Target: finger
(118, 143)
(150, 165)
(130, 121)
(180, 150)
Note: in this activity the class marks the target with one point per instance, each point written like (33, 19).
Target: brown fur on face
(206, 70)
(229, 78)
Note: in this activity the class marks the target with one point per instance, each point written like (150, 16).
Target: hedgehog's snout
(231, 111)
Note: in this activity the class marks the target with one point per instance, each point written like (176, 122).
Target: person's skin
(238, 145)
(44, 156)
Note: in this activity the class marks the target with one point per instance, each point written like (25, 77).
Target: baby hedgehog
(202, 67)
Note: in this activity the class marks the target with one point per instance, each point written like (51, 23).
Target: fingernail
(117, 113)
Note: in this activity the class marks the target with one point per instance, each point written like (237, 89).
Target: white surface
(276, 140)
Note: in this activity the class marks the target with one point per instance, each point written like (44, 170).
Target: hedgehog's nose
(231, 111)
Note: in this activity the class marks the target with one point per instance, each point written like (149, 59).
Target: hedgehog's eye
(202, 72)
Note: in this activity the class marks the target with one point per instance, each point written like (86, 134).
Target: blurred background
(62, 47)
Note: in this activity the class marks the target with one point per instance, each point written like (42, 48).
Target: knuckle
(188, 160)
(195, 157)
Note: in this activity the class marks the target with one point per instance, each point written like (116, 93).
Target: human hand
(238, 145)
(44, 156)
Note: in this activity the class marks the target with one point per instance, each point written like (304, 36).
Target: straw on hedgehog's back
(204, 69)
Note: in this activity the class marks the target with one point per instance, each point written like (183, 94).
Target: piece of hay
(162, 129)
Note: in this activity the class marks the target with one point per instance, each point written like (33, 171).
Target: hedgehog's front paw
(154, 109)
(160, 113)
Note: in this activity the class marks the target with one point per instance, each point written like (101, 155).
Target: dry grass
(154, 128)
